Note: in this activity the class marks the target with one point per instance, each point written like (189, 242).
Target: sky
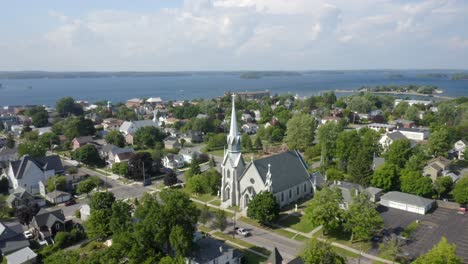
(196, 35)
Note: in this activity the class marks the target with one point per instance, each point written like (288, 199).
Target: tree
(391, 248)
(443, 185)
(178, 241)
(212, 162)
(33, 149)
(89, 155)
(66, 106)
(412, 113)
(300, 131)
(10, 142)
(56, 183)
(360, 168)
(101, 201)
(258, 143)
(318, 252)
(148, 136)
(86, 186)
(97, 226)
(38, 115)
(460, 192)
(362, 220)
(324, 209)
(195, 166)
(334, 175)
(170, 178)
(26, 213)
(398, 153)
(196, 184)
(413, 182)
(220, 221)
(263, 207)
(359, 104)
(121, 218)
(4, 185)
(140, 165)
(347, 144)
(246, 143)
(115, 138)
(327, 136)
(182, 142)
(120, 168)
(441, 253)
(386, 177)
(205, 214)
(438, 142)
(63, 257)
(48, 139)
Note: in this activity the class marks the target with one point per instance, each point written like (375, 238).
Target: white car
(242, 232)
(28, 234)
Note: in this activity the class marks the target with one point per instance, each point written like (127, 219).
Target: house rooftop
(21, 256)
(210, 249)
(44, 163)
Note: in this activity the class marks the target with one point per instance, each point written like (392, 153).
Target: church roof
(288, 169)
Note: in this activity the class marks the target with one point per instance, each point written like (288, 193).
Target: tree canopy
(300, 131)
(263, 207)
(324, 209)
(441, 253)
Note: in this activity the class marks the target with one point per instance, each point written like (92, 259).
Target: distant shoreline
(396, 93)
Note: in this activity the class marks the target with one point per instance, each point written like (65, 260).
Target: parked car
(28, 234)
(70, 202)
(242, 231)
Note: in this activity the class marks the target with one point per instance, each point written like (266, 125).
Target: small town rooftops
(21, 256)
(44, 163)
(210, 249)
(397, 135)
(373, 190)
(407, 198)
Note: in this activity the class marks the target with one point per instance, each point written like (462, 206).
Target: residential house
(47, 223)
(247, 118)
(73, 180)
(42, 130)
(22, 256)
(57, 197)
(20, 197)
(12, 238)
(374, 193)
(129, 139)
(416, 134)
(459, 147)
(155, 101)
(402, 123)
(135, 102)
(379, 126)
(193, 136)
(29, 171)
(209, 250)
(131, 127)
(413, 102)
(388, 138)
(81, 141)
(171, 143)
(113, 154)
(173, 161)
(327, 119)
(249, 128)
(7, 155)
(348, 191)
(436, 168)
(188, 154)
(258, 115)
(111, 124)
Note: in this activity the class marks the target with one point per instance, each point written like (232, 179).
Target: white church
(284, 174)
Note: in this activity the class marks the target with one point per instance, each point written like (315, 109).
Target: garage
(407, 202)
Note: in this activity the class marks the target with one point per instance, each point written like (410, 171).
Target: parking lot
(441, 222)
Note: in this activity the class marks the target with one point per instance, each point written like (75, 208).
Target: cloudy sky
(171, 35)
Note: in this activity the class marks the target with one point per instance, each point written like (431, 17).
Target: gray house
(211, 250)
(12, 238)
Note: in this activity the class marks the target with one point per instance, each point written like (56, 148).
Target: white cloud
(240, 34)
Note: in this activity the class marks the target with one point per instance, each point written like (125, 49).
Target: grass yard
(297, 222)
(216, 202)
(343, 238)
(252, 258)
(203, 228)
(218, 152)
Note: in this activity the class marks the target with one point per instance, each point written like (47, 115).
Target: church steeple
(233, 139)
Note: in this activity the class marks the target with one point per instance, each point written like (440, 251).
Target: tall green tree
(97, 225)
(101, 201)
(441, 253)
(264, 208)
(391, 249)
(362, 220)
(398, 153)
(220, 220)
(147, 137)
(300, 131)
(321, 253)
(121, 218)
(180, 244)
(360, 168)
(460, 192)
(89, 155)
(443, 185)
(205, 214)
(58, 182)
(438, 142)
(327, 136)
(246, 143)
(347, 144)
(33, 149)
(324, 209)
(386, 177)
(413, 182)
(115, 138)
(66, 106)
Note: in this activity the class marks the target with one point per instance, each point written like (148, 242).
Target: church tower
(233, 164)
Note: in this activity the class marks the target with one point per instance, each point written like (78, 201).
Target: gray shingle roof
(21, 256)
(47, 218)
(407, 199)
(396, 135)
(43, 163)
(288, 169)
(84, 140)
(210, 249)
(275, 257)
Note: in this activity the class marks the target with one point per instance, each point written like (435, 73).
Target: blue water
(116, 89)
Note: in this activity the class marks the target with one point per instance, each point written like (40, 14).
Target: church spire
(233, 139)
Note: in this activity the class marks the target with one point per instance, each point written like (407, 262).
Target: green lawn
(252, 258)
(201, 197)
(216, 202)
(301, 238)
(297, 222)
(218, 152)
(343, 238)
(203, 228)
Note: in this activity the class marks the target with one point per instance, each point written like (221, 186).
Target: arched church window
(252, 181)
(229, 174)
